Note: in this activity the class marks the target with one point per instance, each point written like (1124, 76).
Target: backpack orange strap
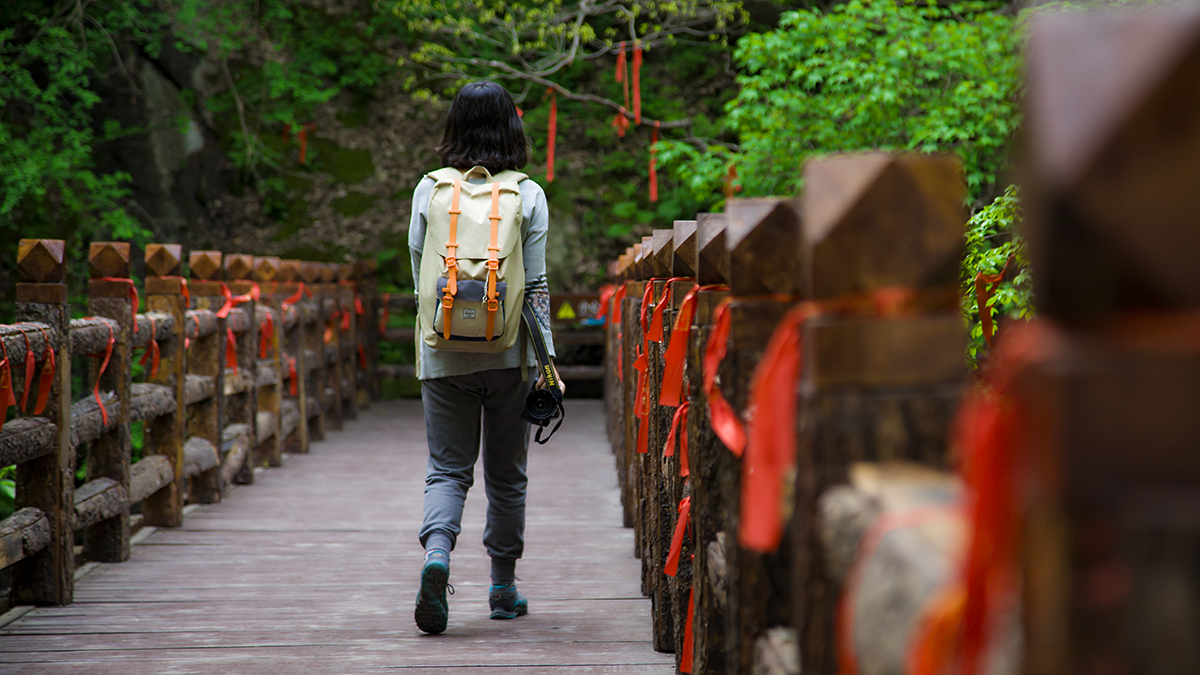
(493, 262)
(451, 261)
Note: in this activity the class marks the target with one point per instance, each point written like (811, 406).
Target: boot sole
(430, 614)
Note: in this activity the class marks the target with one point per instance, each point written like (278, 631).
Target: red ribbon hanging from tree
(653, 163)
(730, 186)
(551, 133)
(637, 83)
(303, 136)
(623, 73)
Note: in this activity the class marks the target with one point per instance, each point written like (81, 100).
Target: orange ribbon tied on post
(108, 350)
(551, 134)
(7, 397)
(292, 375)
(679, 427)
(672, 378)
(152, 353)
(46, 379)
(231, 360)
(681, 525)
(301, 291)
(30, 362)
(266, 336)
(133, 295)
(725, 422)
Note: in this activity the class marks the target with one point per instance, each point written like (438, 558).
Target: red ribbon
(679, 426)
(108, 350)
(637, 83)
(266, 336)
(620, 123)
(383, 318)
(771, 448)
(231, 360)
(623, 74)
(606, 294)
(303, 136)
(655, 332)
(292, 375)
(253, 296)
(985, 287)
(29, 364)
(187, 296)
(46, 379)
(133, 295)
(224, 311)
(551, 133)
(685, 659)
(362, 357)
(345, 320)
(152, 351)
(673, 362)
(7, 398)
(295, 297)
(681, 525)
(641, 407)
(653, 163)
(725, 422)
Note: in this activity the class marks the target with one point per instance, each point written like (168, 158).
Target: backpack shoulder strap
(444, 176)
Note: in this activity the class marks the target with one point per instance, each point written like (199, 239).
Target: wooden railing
(245, 360)
(877, 384)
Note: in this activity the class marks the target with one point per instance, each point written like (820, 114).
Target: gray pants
(455, 407)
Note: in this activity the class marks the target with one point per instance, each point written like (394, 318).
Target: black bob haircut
(484, 129)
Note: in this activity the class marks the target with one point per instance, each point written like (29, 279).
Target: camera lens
(541, 404)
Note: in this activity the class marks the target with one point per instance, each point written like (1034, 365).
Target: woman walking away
(478, 243)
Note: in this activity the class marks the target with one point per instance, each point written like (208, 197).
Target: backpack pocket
(468, 312)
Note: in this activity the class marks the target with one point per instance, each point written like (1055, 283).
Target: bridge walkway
(313, 569)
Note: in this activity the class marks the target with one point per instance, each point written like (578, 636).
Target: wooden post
(269, 373)
(660, 506)
(873, 387)
(109, 456)
(1106, 431)
(314, 345)
(347, 339)
(327, 293)
(206, 359)
(631, 336)
(714, 468)
(241, 383)
(292, 352)
(367, 330)
(48, 482)
(167, 433)
(766, 277)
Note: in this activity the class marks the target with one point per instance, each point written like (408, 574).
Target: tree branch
(511, 72)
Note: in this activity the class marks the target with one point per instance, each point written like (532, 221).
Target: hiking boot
(433, 607)
(506, 602)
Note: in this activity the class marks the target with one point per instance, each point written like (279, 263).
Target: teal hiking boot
(433, 607)
(506, 602)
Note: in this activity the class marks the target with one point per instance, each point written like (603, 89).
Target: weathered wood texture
(22, 534)
(26, 439)
(247, 587)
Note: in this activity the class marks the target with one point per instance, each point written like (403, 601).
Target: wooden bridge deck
(314, 570)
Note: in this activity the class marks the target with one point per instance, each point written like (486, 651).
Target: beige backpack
(472, 267)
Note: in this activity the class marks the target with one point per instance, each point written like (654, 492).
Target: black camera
(542, 406)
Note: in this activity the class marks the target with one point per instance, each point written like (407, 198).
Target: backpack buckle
(451, 261)
(493, 264)
(447, 301)
(493, 304)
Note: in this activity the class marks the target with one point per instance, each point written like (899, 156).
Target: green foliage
(869, 74)
(8, 491)
(49, 184)
(992, 239)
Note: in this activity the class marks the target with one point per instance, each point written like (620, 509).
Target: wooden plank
(149, 476)
(197, 388)
(199, 456)
(22, 534)
(246, 586)
(150, 401)
(87, 422)
(98, 500)
(27, 439)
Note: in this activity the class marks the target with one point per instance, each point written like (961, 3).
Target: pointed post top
(205, 265)
(289, 271)
(266, 268)
(164, 260)
(310, 272)
(40, 261)
(108, 259)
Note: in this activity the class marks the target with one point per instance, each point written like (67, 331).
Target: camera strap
(542, 352)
